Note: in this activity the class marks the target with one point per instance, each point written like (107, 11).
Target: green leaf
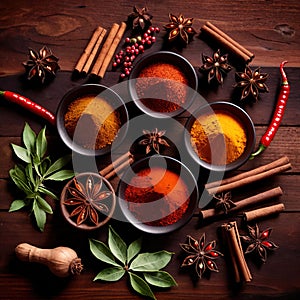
(29, 137)
(41, 143)
(19, 179)
(22, 153)
(16, 205)
(117, 245)
(43, 204)
(40, 216)
(29, 174)
(133, 249)
(147, 262)
(110, 274)
(47, 192)
(140, 285)
(160, 279)
(57, 165)
(102, 252)
(61, 175)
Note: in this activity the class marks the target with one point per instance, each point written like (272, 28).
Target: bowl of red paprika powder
(158, 194)
(220, 136)
(163, 84)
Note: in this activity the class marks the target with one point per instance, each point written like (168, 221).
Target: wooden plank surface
(267, 28)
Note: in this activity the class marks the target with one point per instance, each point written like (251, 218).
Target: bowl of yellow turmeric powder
(220, 136)
(90, 118)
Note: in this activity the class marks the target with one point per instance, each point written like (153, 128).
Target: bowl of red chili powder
(220, 136)
(158, 194)
(90, 118)
(163, 84)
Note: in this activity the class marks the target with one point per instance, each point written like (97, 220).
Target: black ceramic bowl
(98, 184)
(151, 210)
(111, 97)
(236, 113)
(158, 90)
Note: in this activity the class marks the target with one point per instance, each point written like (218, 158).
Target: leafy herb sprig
(31, 176)
(129, 260)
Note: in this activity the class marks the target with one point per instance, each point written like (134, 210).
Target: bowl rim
(84, 226)
(242, 115)
(188, 70)
(194, 197)
(82, 90)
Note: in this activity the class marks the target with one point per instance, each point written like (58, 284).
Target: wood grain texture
(268, 28)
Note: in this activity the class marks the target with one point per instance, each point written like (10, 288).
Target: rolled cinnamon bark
(263, 212)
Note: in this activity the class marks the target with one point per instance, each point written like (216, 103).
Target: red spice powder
(157, 197)
(159, 91)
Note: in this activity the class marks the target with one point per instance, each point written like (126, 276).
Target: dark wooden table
(267, 28)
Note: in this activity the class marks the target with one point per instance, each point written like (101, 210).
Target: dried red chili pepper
(29, 105)
(278, 114)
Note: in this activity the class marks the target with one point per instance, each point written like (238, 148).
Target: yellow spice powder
(218, 138)
(94, 122)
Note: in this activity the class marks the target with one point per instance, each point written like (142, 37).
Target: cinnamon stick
(104, 50)
(93, 54)
(232, 238)
(227, 41)
(276, 163)
(83, 58)
(112, 49)
(122, 166)
(115, 163)
(263, 212)
(258, 198)
(247, 180)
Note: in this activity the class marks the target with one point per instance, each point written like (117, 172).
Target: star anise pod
(140, 18)
(153, 140)
(180, 27)
(87, 199)
(41, 64)
(224, 202)
(201, 255)
(259, 242)
(251, 83)
(216, 66)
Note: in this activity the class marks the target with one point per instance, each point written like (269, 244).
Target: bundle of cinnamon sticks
(262, 172)
(225, 40)
(96, 57)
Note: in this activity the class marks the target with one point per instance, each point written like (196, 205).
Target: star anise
(140, 18)
(259, 242)
(217, 66)
(251, 83)
(41, 65)
(153, 140)
(180, 27)
(224, 202)
(201, 255)
(87, 199)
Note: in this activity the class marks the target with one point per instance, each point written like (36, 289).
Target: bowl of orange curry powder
(220, 136)
(90, 118)
(158, 194)
(163, 84)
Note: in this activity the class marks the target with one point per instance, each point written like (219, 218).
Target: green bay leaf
(140, 285)
(117, 246)
(22, 153)
(160, 279)
(16, 205)
(110, 274)
(40, 216)
(29, 137)
(133, 249)
(150, 262)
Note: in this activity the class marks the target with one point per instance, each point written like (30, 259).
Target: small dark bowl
(91, 89)
(110, 202)
(170, 164)
(237, 113)
(165, 57)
